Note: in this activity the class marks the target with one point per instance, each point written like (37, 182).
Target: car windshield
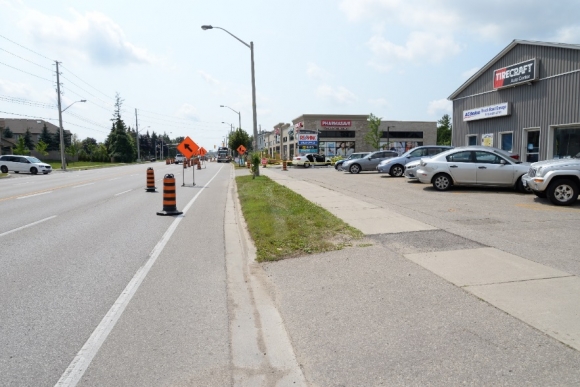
(34, 160)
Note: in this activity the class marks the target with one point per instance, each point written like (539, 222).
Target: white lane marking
(28, 182)
(124, 192)
(83, 185)
(28, 225)
(84, 357)
(116, 178)
(135, 174)
(36, 194)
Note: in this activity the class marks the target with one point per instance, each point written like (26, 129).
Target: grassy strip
(83, 165)
(3, 175)
(283, 224)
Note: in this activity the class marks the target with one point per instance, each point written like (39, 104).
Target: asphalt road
(70, 245)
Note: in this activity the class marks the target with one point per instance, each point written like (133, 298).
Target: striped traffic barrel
(150, 180)
(169, 197)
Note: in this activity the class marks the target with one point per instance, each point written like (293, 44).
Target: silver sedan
(473, 165)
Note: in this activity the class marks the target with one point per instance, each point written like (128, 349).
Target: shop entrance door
(532, 145)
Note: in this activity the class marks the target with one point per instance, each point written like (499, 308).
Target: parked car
(558, 180)
(179, 158)
(473, 165)
(395, 166)
(411, 169)
(352, 156)
(17, 164)
(369, 162)
(310, 159)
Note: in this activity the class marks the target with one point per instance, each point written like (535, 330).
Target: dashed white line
(36, 194)
(83, 185)
(124, 192)
(28, 225)
(116, 178)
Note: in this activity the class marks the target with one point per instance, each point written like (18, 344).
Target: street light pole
(239, 116)
(254, 115)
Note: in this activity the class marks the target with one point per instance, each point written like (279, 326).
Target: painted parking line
(28, 225)
(124, 192)
(35, 194)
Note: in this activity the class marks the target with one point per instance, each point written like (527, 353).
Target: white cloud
(188, 111)
(568, 35)
(208, 78)
(468, 73)
(92, 36)
(440, 106)
(420, 47)
(316, 72)
(339, 95)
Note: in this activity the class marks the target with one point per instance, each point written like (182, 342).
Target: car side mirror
(503, 162)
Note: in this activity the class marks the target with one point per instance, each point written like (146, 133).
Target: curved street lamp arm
(240, 40)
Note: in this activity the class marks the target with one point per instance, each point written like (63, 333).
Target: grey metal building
(526, 100)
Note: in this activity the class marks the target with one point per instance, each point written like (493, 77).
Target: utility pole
(62, 158)
(137, 135)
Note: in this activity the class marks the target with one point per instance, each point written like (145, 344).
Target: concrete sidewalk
(545, 298)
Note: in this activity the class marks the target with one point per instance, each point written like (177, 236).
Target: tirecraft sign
(500, 110)
(515, 74)
(339, 123)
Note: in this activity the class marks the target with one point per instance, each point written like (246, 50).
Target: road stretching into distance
(70, 245)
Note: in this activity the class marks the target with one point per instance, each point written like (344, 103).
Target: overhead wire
(34, 52)
(26, 72)
(24, 101)
(27, 60)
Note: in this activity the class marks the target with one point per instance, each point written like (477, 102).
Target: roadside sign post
(188, 148)
(241, 150)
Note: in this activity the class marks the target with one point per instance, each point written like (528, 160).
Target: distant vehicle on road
(353, 156)
(17, 164)
(179, 158)
(310, 159)
(396, 166)
(473, 165)
(369, 162)
(223, 155)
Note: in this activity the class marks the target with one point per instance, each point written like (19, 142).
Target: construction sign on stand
(188, 147)
(202, 151)
(241, 149)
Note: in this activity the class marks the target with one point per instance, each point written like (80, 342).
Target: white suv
(179, 158)
(17, 163)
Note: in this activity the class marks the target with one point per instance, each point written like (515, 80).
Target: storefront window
(400, 146)
(471, 140)
(532, 146)
(566, 142)
(337, 148)
(506, 141)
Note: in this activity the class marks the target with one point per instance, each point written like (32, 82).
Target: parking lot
(520, 224)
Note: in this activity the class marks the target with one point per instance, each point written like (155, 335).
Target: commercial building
(341, 135)
(526, 100)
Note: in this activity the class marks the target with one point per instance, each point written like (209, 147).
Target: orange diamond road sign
(241, 149)
(188, 147)
(202, 151)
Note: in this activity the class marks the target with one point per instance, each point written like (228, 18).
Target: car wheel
(442, 182)
(4, 169)
(355, 168)
(521, 187)
(33, 170)
(397, 170)
(540, 194)
(307, 165)
(562, 192)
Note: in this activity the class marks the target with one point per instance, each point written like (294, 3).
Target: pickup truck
(558, 180)
(179, 158)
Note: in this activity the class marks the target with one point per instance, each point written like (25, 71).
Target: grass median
(283, 224)
(79, 165)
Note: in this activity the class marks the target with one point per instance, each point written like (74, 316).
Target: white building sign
(500, 110)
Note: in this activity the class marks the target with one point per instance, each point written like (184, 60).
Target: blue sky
(399, 59)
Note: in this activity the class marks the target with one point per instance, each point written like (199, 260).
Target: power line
(24, 101)
(88, 92)
(88, 84)
(29, 61)
(26, 72)
(11, 41)
(24, 115)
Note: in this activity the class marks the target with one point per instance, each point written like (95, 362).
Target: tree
(76, 145)
(21, 148)
(7, 133)
(373, 137)
(120, 145)
(41, 147)
(239, 137)
(46, 137)
(444, 128)
(88, 144)
(28, 140)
